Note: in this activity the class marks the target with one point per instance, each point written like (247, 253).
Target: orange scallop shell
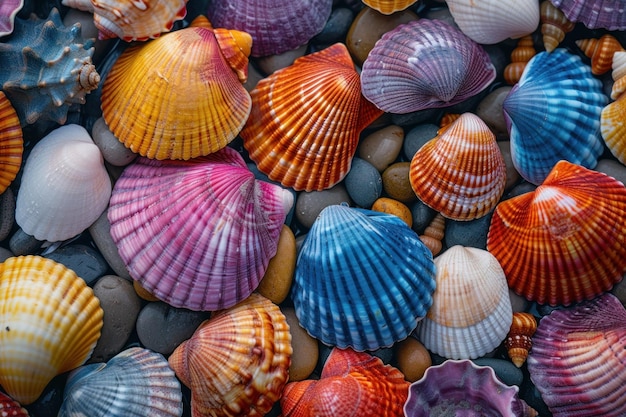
(11, 143)
(566, 241)
(305, 122)
(389, 6)
(600, 51)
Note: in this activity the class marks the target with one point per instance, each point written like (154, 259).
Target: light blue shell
(554, 113)
(363, 279)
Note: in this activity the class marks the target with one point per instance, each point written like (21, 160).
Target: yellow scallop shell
(11, 143)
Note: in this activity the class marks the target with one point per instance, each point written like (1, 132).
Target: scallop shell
(492, 21)
(276, 26)
(304, 127)
(8, 11)
(363, 279)
(605, 14)
(135, 382)
(566, 241)
(11, 407)
(462, 388)
(578, 359)
(523, 52)
(11, 143)
(519, 340)
(65, 186)
(554, 25)
(600, 51)
(553, 113)
(424, 64)
(613, 129)
(388, 7)
(50, 324)
(237, 362)
(175, 97)
(461, 172)
(352, 384)
(197, 234)
(471, 312)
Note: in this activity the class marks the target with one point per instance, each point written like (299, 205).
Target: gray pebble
(271, 63)
(381, 147)
(619, 290)
(24, 244)
(518, 303)
(420, 116)
(505, 370)
(100, 232)
(310, 204)
(113, 151)
(521, 188)
(5, 254)
(336, 27)
(421, 215)
(471, 233)
(417, 137)
(490, 110)
(363, 183)
(512, 176)
(529, 393)
(7, 213)
(612, 168)
(84, 260)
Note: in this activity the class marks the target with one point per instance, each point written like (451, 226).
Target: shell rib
(600, 51)
(11, 143)
(606, 14)
(612, 127)
(389, 6)
(554, 25)
(519, 340)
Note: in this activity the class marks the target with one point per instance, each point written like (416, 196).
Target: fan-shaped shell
(50, 324)
(578, 359)
(363, 279)
(613, 129)
(554, 25)
(553, 113)
(606, 14)
(8, 11)
(566, 241)
(461, 172)
(11, 143)
(237, 362)
(471, 312)
(492, 21)
(65, 186)
(175, 97)
(197, 234)
(306, 119)
(135, 382)
(389, 6)
(424, 64)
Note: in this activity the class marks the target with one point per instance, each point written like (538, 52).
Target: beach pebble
(471, 233)
(22, 243)
(142, 292)
(417, 117)
(417, 137)
(505, 370)
(5, 254)
(490, 110)
(612, 168)
(271, 63)
(310, 204)
(100, 232)
(396, 182)
(113, 151)
(363, 183)
(305, 348)
(336, 27)
(7, 213)
(278, 276)
(413, 358)
(512, 176)
(518, 303)
(382, 147)
(391, 206)
(254, 76)
(82, 259)
(421, 216)
(619, 290)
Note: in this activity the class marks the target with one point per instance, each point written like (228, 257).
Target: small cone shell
(554, 25)
(433, 234)
(618, 74)
(523, 52)
(600, 51)
(11, 143)
(519, 339)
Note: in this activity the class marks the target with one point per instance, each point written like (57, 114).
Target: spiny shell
(237, 362)
(65, 186)
(198, 234)
(578, 359)
(363, 279)
(46, 68)
(471, 312)
(606, 14)
(461, 172)
(50, 324)
(306, 140)
(389, 6)
(600, 51)
(11, 407)
(519, 339)
(11, 143)
(566, 241)
(523, 52)
(8, 11)
(175, 97)
(424, 64)
(135, 382)
(553, 113)
(352, 384)
(554, 25)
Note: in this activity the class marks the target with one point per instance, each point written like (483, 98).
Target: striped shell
(461, 172)
(11, 143)
(519, 340)
(618, 74)
(8, 11)
(388, 7)
(554, 25)
(237, 362)
(424, 64)
(50, 324)
(197, 234)
(613, 128)
(606, 14)
(11, 407)
(304, 127)
(566, 241)
(363, 279)
(600, 51)
(523, 52)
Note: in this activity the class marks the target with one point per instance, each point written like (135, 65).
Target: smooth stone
(100, 232)
(499, 57)
(113, 151)
(161, 327)
(612, 168)
(471, 233)
(82, 259)
(22, 243)
(396, 182)
(254, 76)
(413, 358)
(7, 213)
(519, 189)
(391, 206)
(363, 183)
(121, 306)
(512, 176)
(385, 354)
(310, 204)
(421, 215)
(5, 254)
(305, 348)
(529, 393)
(142, 292)
(519, 304)
(441, 13)
(618, 290)
(382, 147)
(408, 120)
(271, 63)
(505, 370)
(417, 137)
(336, 27)
(490, 109)
(276, 281)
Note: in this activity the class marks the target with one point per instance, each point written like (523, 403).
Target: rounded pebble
(310, 204)
(82, 259)
(413, 358)
(391, 206)
(421, 215)
(271, 63)
(490, 110)
(363, 183)
(278, 277)
(113, 151)
(613, 169)
(396, 182)
(22, 243)
(417, 117)
(512, 176)
(7, 213)
(336, 26)
(100, 232)
(142, 292)
(382, 147)
(505, 370)
(518, 303)
(5, 254)
(471, 233)
(254, 76)
(417, 137)
(305, 348)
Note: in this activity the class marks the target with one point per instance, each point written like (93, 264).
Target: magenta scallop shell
(606, 14)
(578, 359)
(424, 64)
(197, 234)
(8, 11)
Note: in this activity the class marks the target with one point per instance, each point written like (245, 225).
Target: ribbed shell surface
(613, 128)
(606, 14)
(389, 6)
(11, 143)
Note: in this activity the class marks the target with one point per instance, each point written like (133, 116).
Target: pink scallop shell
(8, 11)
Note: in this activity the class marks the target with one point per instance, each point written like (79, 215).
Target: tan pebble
(391, 206)
(396, 182)
(413, 358)
(143, 293)
(382, 147)
(305, 348)
(277, 280)
(512, 175)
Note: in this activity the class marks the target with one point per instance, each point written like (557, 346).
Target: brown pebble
(396, 182)
(143, 293)
(413, 358)
(276, 282)
(391, 206)
(305, 348)
(382, 147)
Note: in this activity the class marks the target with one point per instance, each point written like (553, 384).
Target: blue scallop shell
(554, 113)
(363, 279)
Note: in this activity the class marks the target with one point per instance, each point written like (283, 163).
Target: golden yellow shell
(600, 51)
(389, 6)
(554, 25)
(518, 341)
(613, 128)
(11, 143)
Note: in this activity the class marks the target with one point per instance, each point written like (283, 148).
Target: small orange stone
(142, 292)
(391, 206)
(278, 276)
(413, 358)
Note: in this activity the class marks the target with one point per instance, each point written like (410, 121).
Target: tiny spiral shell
(554, 25)
(519, 339)
(433, 234)
(520, 56)
(600, 51)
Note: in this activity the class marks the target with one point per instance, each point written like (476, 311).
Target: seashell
(218, 258)
(471, 312)
(424, 64)
(65, 186)
(11, 143)
(554, 25)
(492, 21)
(543, 112)
(462, 388)
(363, 279)
(461, 172)
(388, 7)
(84, 5)
(433, 234)
(11, 407)
(135, 382)
(8, 11)
(519, 339)
(307, 140)
(276, 26)
(207, 104)
(446, 120)
(237, 362)
(50, 323)
(565, 241)
(612, 128)
(46, 68)
(352, 384)
(600, 51)
(578, 359)
(595, 14)
(523, 52)
(618, 74)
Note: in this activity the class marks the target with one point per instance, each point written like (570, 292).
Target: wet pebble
(505, 370)
(396, 183)
(22, 243)
(518, 303)
(416, 118)
(417, 137)
(612, 168)
(142, 292)
(305, 348)
(7, 213)
(512, 176)
(391, 206)
(490, 110)
(269, 64)
(113, 151)
(421, 215)
(413, 358)
(310, 204)
(363, 183)
(5, 254)
(471, 233)
(254, 76)
(278, 276)
(336, 26)
(82, 259)
(100, 232)
(382, 147)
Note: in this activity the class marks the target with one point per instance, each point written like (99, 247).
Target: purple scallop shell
(424, 64)
(605, 14)
(8, 11)
(578, 359)
(197, 234)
